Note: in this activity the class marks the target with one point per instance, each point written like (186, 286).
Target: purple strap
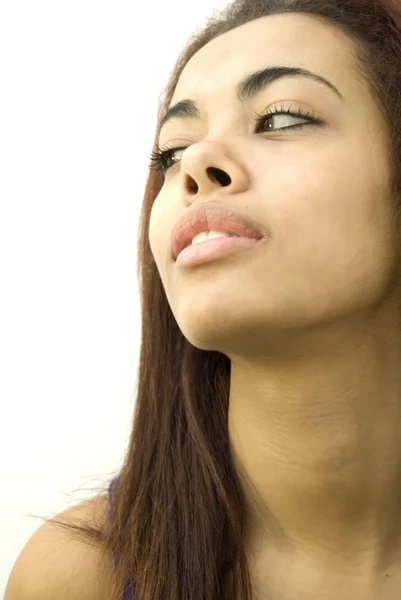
(129, 592)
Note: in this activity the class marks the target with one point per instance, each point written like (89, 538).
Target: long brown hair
(179, 522)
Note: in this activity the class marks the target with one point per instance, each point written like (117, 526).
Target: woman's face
(322, 192)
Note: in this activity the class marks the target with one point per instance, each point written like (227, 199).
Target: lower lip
(210, 250)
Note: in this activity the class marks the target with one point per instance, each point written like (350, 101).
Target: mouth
(214, 249)
(215, 218)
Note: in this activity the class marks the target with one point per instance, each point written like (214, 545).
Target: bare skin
(311, 320)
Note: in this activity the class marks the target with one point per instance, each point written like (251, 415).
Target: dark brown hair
(179, 521)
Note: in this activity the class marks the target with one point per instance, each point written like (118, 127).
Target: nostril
(193, 187)
(220, 175)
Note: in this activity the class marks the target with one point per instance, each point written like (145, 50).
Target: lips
(211, 216)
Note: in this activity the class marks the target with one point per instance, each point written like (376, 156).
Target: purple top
(129, 592)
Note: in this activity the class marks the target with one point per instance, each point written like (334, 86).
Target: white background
(79, 86)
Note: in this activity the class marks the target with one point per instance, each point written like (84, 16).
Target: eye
(265, 117)
(163, 158)
(160, 160)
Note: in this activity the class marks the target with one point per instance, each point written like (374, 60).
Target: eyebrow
(248, 88)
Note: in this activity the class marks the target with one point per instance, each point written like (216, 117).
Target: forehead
(297, 39)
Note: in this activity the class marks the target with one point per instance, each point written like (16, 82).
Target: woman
(265, 456)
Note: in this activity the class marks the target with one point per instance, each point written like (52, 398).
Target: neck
(316, 441)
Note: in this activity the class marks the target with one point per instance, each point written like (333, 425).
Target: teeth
(210, 235)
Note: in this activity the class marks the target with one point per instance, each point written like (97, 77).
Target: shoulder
(55, 564)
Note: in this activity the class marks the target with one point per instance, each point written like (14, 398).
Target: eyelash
(159, 159)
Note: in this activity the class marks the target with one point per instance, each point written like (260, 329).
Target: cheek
(160, 226)
(329, 214)
(323, 193)
(157, 232)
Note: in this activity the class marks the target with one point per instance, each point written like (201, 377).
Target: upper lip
(211, 216)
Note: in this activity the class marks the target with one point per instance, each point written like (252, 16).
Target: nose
(207, 166)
